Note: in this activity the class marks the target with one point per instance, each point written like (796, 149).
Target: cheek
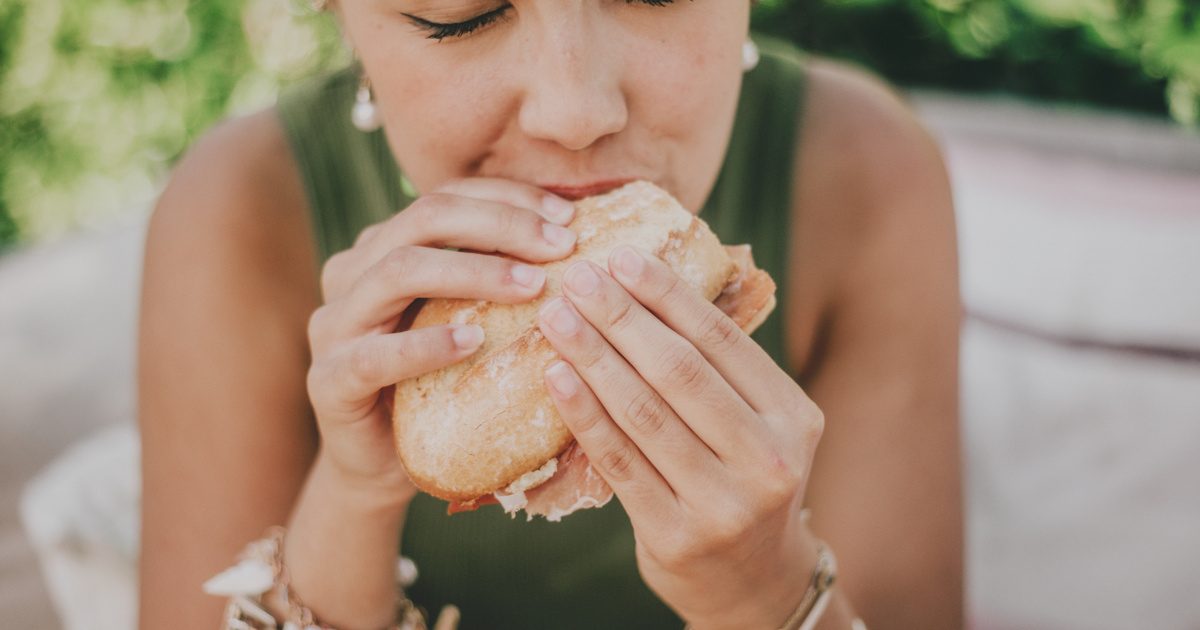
(438, 123)
(687, 102)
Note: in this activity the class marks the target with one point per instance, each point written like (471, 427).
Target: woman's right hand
(359, 348)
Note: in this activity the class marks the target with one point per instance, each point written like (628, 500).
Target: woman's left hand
(707, 443)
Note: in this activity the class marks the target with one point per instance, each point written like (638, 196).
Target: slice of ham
(575, 486)
(747, 300)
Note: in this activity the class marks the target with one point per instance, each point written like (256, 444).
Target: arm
(231, 310)
(228, 435)
(875, 247)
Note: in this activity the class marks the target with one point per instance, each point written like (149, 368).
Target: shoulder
(861, 139)
(234, 207)
(238, 182)
(871, 196)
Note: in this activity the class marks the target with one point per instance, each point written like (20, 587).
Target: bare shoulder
(238, 182)
(228, 283)
(869, 184)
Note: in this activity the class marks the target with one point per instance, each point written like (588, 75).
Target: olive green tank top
(581, 572)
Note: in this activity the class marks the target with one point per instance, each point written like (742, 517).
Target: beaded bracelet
(261, 573)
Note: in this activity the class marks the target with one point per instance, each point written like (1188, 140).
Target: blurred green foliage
(1133, 54)
(99, 97)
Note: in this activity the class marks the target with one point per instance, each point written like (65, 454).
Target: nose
(573, 92)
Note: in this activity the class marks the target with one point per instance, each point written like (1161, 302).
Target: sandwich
(485, 430)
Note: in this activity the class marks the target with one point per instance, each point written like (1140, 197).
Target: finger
(679, 456)
(443, 220)
(346, 382)
(741, 361)
(670, 364)
(638, 484)
(385, 290)
(514, 193)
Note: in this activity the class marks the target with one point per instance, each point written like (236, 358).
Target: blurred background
(1070, 130)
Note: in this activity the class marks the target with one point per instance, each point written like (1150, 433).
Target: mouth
(575, 192)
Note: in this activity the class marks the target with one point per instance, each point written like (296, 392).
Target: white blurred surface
(1080, 261)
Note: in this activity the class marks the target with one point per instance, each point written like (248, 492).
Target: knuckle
(367, 234)
(671, 289)
(684, 370)
(399, 259)
(312, 384)
(591, 355)
(421, 216)
(510, 219)
(320, 328)
(621, 316)
(813, 424)
(364, 363)
(717, 330)
(682, 549)
(317, 321)
(727, 530)
(618, 461)
(780, 483)
(450, 184)
(432, 203)
(646, 412)
(331, 274)
(591, 421)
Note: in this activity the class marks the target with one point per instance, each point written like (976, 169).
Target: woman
(277, 267)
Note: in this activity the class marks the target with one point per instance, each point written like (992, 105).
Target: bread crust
(471, 428)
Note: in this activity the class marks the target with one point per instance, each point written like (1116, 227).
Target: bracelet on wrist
(261, 573)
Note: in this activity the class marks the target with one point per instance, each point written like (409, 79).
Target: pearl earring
(365, 115)
(750, 56)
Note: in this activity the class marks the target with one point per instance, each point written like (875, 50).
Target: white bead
(750, 55)
(365, 116)
(248, 577)
(406, 571)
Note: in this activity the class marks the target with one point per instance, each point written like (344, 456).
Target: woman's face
(575, 96)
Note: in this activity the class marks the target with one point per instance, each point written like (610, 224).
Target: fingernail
(558, 236)
(467, 337)
(558, 209)
(562, 379)
(581, 280)
(629, 263)
(529, 277)
(560, 316)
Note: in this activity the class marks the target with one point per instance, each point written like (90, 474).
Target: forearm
(341, 551)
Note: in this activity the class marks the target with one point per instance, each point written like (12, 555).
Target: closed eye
(443, 30)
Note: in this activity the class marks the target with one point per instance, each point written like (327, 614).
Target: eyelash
(441, 31)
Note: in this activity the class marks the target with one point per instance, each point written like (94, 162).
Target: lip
(575, 192)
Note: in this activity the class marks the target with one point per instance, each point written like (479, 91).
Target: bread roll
(471, 429)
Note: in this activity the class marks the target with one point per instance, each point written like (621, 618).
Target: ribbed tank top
(581, 572)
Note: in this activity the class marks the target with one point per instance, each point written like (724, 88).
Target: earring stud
(365, 114)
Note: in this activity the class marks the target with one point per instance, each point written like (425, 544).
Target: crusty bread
(472, 428)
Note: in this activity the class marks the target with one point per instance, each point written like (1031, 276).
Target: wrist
(780, 596)
(345, 526)
(356, 494)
